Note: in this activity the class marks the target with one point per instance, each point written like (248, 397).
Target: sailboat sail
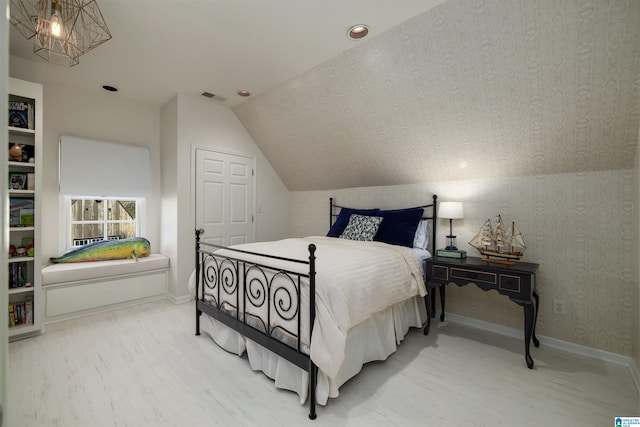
(516, 241)
(499, 241)
(493, 240)
(484, 238)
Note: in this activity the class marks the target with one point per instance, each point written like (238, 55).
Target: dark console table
(515, 281)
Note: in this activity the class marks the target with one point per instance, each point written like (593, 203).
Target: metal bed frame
(224, 275)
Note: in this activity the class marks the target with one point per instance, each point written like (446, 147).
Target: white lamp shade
(451, 210)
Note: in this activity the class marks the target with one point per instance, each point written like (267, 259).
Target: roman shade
(98, 168)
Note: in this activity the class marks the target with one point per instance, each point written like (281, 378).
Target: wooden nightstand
(516, 281)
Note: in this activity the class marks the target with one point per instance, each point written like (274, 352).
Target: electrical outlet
(558, 306)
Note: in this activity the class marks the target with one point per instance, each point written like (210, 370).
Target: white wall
(206, 124)
(636, 222)
(578, 227)
(97, 115)
(171, 133)
(169, 188)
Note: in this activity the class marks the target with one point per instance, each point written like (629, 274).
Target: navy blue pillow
(343, 219)
(399, 226)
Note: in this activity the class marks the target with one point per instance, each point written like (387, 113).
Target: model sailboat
(493, 241)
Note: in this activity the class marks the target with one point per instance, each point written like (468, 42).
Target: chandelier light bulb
(56, 20)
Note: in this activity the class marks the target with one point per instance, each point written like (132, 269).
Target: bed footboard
(255, 295)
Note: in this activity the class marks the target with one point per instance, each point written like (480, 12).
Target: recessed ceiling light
(110, 88)
(358, 31)
(244, 93)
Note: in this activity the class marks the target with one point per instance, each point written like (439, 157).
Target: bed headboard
(430, 212)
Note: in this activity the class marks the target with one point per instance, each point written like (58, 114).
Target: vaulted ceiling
(466, 90)
(441, 90)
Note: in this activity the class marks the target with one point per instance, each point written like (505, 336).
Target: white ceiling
(163, 47)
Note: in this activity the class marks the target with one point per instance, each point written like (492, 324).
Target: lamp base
(451, 254)
(451, 243)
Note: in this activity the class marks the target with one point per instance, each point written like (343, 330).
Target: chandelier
(61, 30)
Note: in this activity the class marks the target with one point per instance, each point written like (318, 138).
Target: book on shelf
(21, 313)
(26, 217)
(17, 275)
(21, 114)
(31, 181)
(12, 320)
(29, 308)
(18, 218)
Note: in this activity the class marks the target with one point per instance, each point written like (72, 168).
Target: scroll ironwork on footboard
(255, 295)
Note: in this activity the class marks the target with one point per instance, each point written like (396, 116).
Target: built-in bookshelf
(25, 311)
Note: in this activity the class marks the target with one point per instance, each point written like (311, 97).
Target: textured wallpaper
(469, 89)
(578, 227)
(636, 255)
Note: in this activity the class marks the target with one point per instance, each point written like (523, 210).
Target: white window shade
(98, 168)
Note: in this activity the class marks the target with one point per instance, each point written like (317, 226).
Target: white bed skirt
(373, 339)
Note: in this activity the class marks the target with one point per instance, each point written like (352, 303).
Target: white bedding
(374, 339)
(355, 282)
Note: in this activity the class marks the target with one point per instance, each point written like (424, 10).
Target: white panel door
(224, 197)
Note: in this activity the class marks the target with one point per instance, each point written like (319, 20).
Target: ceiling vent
(213, 96)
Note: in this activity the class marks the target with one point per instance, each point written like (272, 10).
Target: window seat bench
(83, 288)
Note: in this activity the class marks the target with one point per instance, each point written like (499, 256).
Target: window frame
(140, 220)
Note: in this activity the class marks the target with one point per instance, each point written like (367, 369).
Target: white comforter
(354, 280)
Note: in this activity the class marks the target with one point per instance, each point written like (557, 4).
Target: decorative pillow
(343, 219)
(399, 226)
(361, 227)
(421, 238)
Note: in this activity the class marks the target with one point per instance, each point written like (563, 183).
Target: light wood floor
(143, 366)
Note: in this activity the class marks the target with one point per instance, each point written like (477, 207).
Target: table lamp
(451, 210)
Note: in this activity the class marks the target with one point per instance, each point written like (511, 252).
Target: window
(94, 219)
(87, 170)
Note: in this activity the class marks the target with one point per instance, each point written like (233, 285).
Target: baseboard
(635, 373)
(581, 350)
(179, 300)
(102, 309)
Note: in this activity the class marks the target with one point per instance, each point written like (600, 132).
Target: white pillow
(421, 238)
